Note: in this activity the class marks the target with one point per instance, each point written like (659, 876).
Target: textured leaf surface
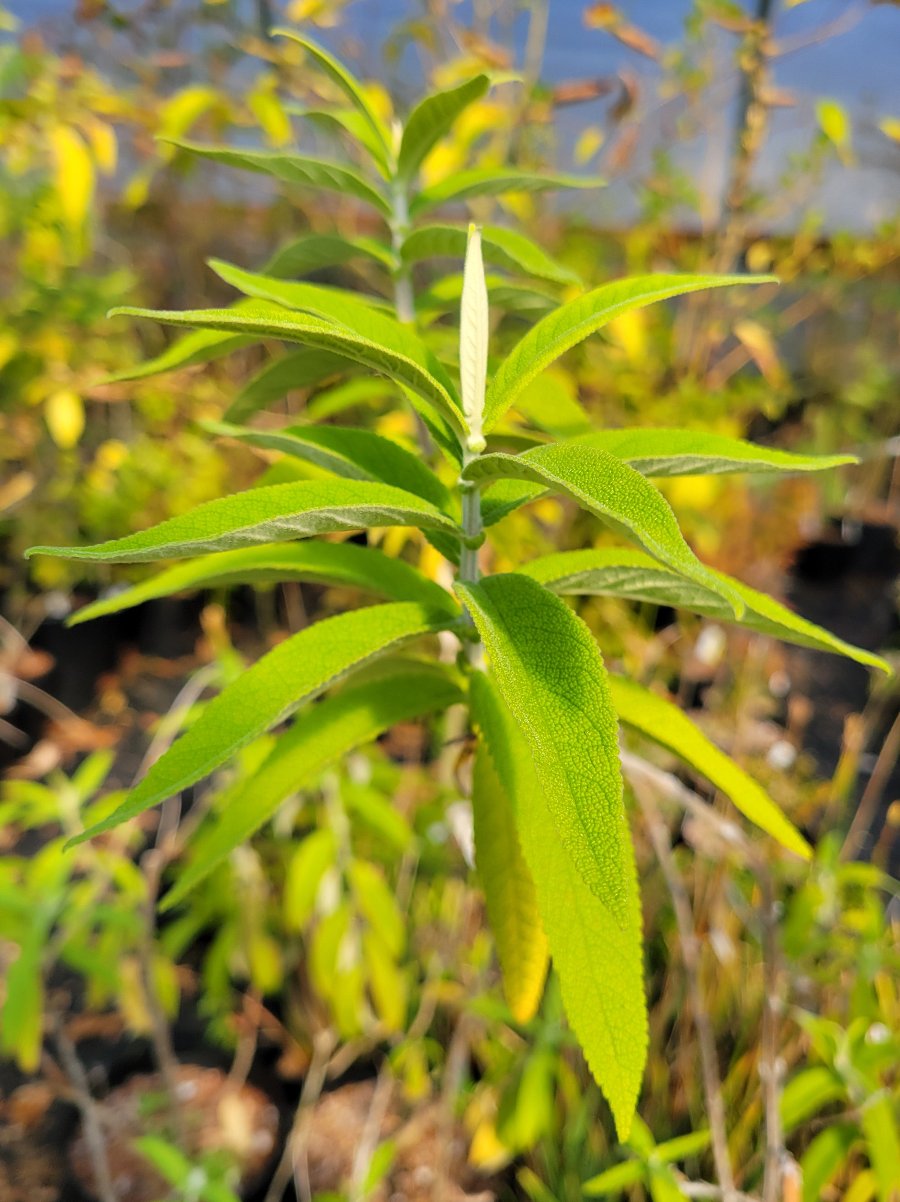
(663, 722)
(614, 492)
(292, 169)
(500, 246)
(551, 675)
(345, 564)
(271, 690)
(431, 119)
(298, 369)
(509, 891)
(271, 514)
(494, 181)
(622, 572)
(571, 323)
(312, 252)
(318, 738)
(691, 453)
(505, 497)
(599, 961)
(268, 320)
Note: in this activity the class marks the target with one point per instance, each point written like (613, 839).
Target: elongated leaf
(474, 330)
(348, 452)
(494, 181)
(509, 892)
(298, 369)
(622, 572)
(267, 693)
(445, 294)
(823, 1158)
(505, 497)
(292, 169)
(431, 120)
(693, 453)
(550, 403)
(318, 738)
(266, 320)
(599, 960)
(502, 247)
(664, 723)
(878, 1120)
(615, 493)
(349, 85)
(551, 675)
(807, 1093)
(571, 323)
(272, 514)
(338, 120)
(344, 308)
(344, 564)
(200, 346)
(312, 252)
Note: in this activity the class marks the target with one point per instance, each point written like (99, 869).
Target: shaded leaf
(502, 247)
(494, 181)
(312, 252)
(298, 369)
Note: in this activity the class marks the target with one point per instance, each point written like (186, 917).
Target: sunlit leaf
(494, 181)
(431, 119)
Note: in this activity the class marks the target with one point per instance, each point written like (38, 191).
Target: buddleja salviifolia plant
(553, 847)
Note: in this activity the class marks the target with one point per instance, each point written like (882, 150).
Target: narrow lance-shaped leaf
(551, 675)
(615, 493)
(312, 252)
(474, 328)
(319, 737)
(298, 369)
(508, 891)
(623, 572)
(431, 119)
(267, 320)
(500, 246)
(270, 691)
(494, 181)
(292, 169)
(344, 564)
(664, 723)
(349, 452)
(270, 514)
(693, 452)
(571, 323)
(339, 120)
(598, 960)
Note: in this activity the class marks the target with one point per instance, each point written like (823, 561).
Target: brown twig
(865, 811)
(293, 1159)
(90, 1117)
(771, 1066)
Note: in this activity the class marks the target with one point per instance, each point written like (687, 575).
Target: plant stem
(403, 290)
(472, 529)
(90, 1116)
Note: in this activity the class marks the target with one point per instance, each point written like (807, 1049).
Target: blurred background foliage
(349, 932)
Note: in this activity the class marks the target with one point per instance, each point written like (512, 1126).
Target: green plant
(552, 839)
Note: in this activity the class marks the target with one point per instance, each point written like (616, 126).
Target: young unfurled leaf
(694, 453)
(312, 252)
(269, 514)
(431, 119)
(494, 181)
(509, 891)
(344, 564)
(474, 329)
(298, 369)
(292, 169)
(500, 246)
(623, 572)
(598, 960)
(264, 319)
(319, 737)
(348, 452)
(571, 323)
(664, 723)
(551, 675)
(616, 493)
(269, 691)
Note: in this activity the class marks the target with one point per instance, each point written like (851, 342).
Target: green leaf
(823, 1158)
(599, 961)
(502, 247)
(622, 572)
(312, 252)
(200, 346)
(878, 1119)
(272, 514)
(319, 738)
(833, 122)
(614, 492)
(292, 169)
(349, 452)
(494, 181)
(550, 403)
(349, 85)
(682, 1146)
(341, 120)
(614, 1180)
(344, 564)
(663, 722)
(303, 875)
(551, 676)
(267, 320)
(268, 692)
(505, 497)
(693, 453)
(509, 892)
(431, 120)
(807, 1093)
(571, 323)
(298, 369)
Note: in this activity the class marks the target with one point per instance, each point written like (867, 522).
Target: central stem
(473, 532)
